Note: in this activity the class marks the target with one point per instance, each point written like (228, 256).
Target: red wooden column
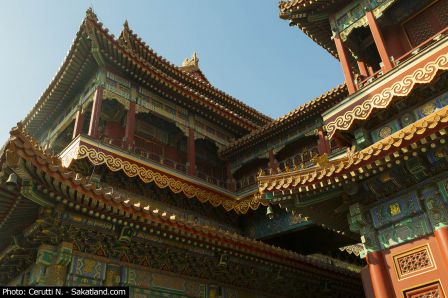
(191, 153)
(381, 283)
(343, 58)
(79, 122)
(130, 127)
(323, 146)
(442, 239)
(379, 41)
(96, 112)
(362, 68)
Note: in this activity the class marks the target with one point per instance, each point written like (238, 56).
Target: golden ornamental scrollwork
(320, 176)
(164, 181)
(69, 156)
(381, 100)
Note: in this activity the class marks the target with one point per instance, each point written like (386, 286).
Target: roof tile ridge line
(263, 248)
(99, 26)
(282, 119)
(58, 73)
(219, 92)
(171, 79)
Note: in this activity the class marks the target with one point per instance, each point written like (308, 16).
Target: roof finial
(192, 62)
(126, 24)
(91, 15)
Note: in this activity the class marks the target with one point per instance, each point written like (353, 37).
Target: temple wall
(415, 265)
(406, 240)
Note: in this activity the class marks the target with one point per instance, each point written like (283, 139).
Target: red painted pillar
(191, 153)
(96, 112)
(379, 41)
(378, 274)
(130, 127)
(79, 122)
(343, 58)
(323, 146)
(442, 239)
(362, 68)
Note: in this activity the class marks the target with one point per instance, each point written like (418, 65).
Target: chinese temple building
(132, 171)
(381, 169)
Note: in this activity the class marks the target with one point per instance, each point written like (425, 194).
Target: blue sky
(244, 48)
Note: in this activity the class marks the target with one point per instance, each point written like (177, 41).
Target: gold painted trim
(70, 152)
(164, 181)
(382, 100)
(320, 176)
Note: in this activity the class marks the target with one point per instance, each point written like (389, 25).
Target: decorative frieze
(402, 219)
(437, 209)
(395, 210)
(403, 231)
(51, 265)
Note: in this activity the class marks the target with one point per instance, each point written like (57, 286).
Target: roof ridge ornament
(191, 63)
(125, 37)
(90, 14)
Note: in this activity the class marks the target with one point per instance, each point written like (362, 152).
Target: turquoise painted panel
(154, 293)
(407, 118)
(443, 188)
(426, 109)
(80, 281)
(136, 278)
(385, 131)
(442, 100)
(89, 268)
(404, 231)
(259, 226)
(395, 210)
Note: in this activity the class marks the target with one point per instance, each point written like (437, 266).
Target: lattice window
(413, 261)
(428, 291)
(427, 23)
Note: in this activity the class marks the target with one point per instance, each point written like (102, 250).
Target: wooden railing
(414, 51)
(154, 152)
(436, 37)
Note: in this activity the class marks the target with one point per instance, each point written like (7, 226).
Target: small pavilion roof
(296, 116)
(138, 46)
(141, 62)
